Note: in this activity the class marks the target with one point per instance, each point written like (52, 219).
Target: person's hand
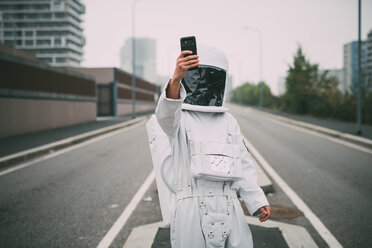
(184, 63)
(265, 215)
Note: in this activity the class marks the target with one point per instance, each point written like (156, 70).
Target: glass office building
(49, 28)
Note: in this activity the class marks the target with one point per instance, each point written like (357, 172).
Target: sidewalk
(342, 126)
(13, 145)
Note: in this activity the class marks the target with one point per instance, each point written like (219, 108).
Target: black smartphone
(257, 213)
(189, 43)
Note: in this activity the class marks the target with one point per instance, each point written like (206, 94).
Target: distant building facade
(145, 66)
(281, 85)
(350, 65)
(35, 96)
(114, 91)
(369, 60)
(49, 28)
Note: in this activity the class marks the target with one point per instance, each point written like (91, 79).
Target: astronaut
(209, 159)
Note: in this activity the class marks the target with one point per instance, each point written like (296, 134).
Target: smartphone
(257, 213)
(189, 43)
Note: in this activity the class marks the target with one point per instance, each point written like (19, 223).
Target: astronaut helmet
(206, 85)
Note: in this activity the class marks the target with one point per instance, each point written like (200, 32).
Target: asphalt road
(332, 179)
(73, 199)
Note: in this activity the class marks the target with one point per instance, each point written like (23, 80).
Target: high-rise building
(49, 28)
(145, 58)
(281, 85)
(350, 69)
(369, 60)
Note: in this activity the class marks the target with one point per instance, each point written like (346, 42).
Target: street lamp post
(260, 63)
(134, 59)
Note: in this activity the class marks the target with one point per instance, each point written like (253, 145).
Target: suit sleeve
(250, 192)
(168, 111)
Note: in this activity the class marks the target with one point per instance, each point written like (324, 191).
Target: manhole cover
(279, 212)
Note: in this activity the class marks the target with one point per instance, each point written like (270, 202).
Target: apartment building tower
(369, 60)
(350, 68)
(49, 28)
(145, 58)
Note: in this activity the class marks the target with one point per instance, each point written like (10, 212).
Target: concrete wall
(35, 96)
(126, 108)
(145, 107)
(29, 115)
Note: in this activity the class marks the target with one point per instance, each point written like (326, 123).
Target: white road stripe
(70, 148)
(320, 135)
(300, 204)
(119, 224)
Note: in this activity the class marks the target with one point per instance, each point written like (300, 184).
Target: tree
(325, 96)
(300, 83)
(309, 92)
(249, 94)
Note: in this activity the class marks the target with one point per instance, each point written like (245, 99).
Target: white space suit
(205, 211)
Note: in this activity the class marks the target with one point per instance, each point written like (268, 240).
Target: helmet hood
(206, 85)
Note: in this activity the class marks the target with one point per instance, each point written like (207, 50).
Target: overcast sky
(320, 26)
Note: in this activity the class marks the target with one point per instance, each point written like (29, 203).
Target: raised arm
(168, 110)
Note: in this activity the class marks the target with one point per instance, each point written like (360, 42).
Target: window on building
(46, 15)
(59, 15)
(43, 42)
(7, 16)
(61, 60)
(9, 25)
(29, 42)
(19, 42)
(46, 60)
(57, 42)
(9, 42)
(29, 33)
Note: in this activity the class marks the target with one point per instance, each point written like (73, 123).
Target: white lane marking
(120, 222)
(300, 204)
(320, 135)
(70, 148)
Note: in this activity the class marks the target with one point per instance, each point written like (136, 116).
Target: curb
(330, 132)
(40, 150)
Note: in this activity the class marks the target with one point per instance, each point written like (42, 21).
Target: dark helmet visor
(205, 86)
